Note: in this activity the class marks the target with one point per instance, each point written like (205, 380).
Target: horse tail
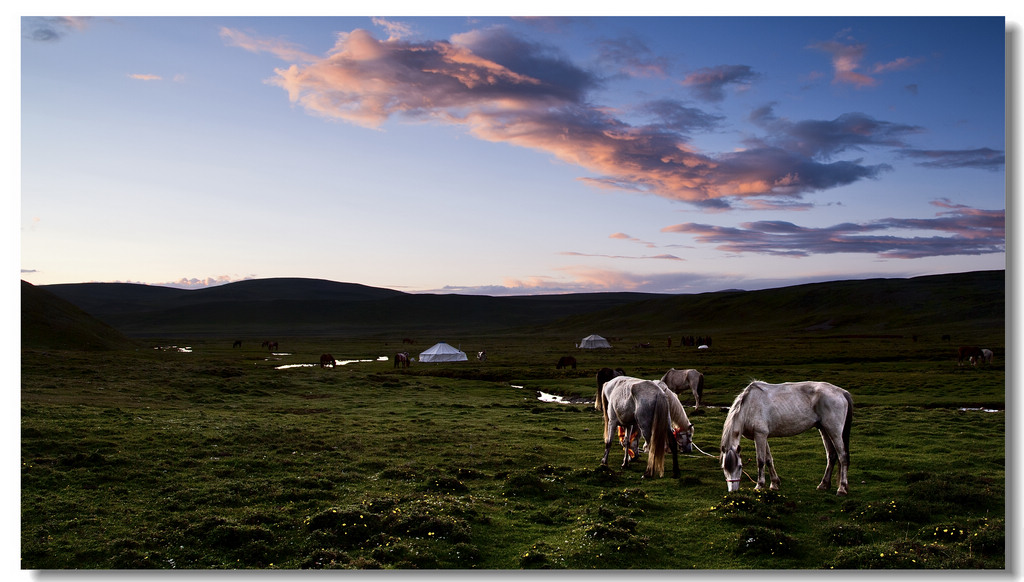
(847, 425)
(700, 387)
(659, 437)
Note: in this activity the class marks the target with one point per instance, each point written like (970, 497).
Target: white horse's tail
(659, 438)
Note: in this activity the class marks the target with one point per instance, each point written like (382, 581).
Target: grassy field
(212, 458)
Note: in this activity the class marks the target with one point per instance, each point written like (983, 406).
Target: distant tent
(594, 341)
(442, 352)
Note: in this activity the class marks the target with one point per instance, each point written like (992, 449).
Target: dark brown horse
(970, 353)
(269, 345)
(402, 360)
(237, 344)
(326, 359)
(565, 362)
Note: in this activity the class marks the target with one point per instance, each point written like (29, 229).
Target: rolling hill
(49, 322)
(298, 307)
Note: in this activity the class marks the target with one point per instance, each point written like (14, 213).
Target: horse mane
(675, 408)
(735, 409)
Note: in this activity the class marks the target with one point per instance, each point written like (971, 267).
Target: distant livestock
(326, 359)
(972, 354)
(237, 344)
(565, 362)
(402, 360)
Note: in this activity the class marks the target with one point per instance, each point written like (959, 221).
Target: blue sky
(511, 155)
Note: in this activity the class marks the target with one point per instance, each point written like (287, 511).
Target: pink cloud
(502, 88)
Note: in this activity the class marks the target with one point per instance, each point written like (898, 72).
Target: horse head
(732, 467)
(684, 439)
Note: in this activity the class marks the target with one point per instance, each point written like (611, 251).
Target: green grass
(215, 460)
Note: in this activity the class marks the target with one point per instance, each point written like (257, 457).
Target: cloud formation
(963, 231)
(503, 88)
(846, 63)
(981, 158)
(709, 84)
(51, 28)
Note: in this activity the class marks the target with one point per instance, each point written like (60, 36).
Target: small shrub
(765, 541)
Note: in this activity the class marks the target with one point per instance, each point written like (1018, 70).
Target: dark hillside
(932, 304)
(942, 304)
(49, 322)
(296, 306)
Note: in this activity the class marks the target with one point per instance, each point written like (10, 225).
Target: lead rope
(752, 480)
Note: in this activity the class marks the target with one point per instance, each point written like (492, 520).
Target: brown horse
(237, 344)
(565, 362)
(269, 345)
(970, 353)
(326, 359)
(402, 360)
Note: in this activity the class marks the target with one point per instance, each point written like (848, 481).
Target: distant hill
(299, 306)
(296, 306)
(49, 322)
(930, 304)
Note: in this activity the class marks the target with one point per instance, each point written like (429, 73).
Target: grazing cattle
(237, 344)
(765, 410)
(565, 362)
(969, 353)
(326, 359)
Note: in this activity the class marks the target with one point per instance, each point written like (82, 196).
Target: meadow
(213, 458)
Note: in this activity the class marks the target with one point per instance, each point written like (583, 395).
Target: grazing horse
(970, 353)
(237, 344)
(679, 380)
(765, 410)
(326, 359)
(603, 375)
(565, 362)
(402, 360)
(269, 345)
(406, 340)
(646, 406)
(986, 356)
(482, 356)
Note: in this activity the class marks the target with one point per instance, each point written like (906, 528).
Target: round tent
(594, 341)
(442, 352)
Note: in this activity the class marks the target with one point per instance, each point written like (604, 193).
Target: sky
(511, 156)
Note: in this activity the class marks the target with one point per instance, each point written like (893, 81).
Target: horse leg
(837, 454)
(763, 458)
(609, 434)
(629, 442)
(831, 458)
(675, 453)
(770, 462)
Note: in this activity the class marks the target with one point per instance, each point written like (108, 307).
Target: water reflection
(336, 363)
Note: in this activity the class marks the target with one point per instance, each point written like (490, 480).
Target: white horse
(680, 380)
(647, 406)
(765, 410)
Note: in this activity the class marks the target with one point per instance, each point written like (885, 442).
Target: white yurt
(442, 352)
(594, 341)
